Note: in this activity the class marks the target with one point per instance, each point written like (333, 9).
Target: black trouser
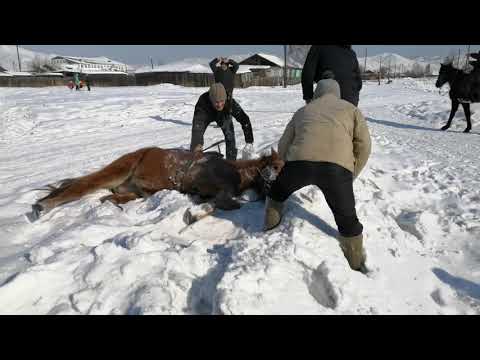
(335, 182)
(199, 126)
(202, 119)
(229, 133)
(234, 108)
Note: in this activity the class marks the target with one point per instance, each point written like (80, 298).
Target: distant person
(70, 85)
(339, 60)
(327, 144)
(210, 108)
(87, 82)
(224, 71)
(76, 79)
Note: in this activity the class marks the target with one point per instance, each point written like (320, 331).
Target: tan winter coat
(327, 129)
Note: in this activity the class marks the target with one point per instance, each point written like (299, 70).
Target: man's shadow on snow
(250, 216)
(178, 122)
(414, 127)
(463, 286)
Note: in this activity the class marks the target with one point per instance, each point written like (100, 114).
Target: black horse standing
(464, 89)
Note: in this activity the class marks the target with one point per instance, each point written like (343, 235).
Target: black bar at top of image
(217, 23)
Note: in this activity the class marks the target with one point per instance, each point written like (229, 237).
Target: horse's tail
(109, 177)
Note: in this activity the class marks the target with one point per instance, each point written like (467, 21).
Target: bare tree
(428, 71)
(417, 70)
(41, 64)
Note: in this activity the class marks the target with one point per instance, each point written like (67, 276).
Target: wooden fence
(204, 80)
(186, 79)
(42, 81)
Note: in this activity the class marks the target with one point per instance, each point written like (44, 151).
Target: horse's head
(271, 166)
(444, 74)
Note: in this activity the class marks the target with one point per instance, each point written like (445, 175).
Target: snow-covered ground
(418, 200)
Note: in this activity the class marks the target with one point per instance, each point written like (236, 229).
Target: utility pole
(467, 56)
(151, 61)
(388, 73)
(19, 63)
(380, 71)
(285, 66)
(365, 64)
(394, 70)
(458, 61)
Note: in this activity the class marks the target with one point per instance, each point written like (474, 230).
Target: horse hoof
(467, 130)
(444, 128)
(106, 198)
(34, 215)
(188, 218)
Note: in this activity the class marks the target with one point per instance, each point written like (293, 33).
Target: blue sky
(140, 54)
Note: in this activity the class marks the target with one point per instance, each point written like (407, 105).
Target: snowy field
(418, 199)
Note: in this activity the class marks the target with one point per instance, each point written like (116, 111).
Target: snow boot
(352, 248)
(273, 213)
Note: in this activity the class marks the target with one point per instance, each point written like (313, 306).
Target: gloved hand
(247, 152)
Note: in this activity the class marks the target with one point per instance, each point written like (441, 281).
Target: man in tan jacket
(327, 143)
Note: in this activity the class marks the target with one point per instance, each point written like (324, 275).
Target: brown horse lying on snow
(148, 170)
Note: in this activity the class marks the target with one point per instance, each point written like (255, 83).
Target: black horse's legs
(224, 200)
(455, 104)
(466, 109)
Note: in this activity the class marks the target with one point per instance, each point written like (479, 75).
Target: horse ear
(476, 56)
(273, 152)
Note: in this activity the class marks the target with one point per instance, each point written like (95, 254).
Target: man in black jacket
(224, 71)
(210, 108)
(340, 60)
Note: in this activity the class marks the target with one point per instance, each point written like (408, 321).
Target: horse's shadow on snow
(414, 127)
(399, 125)
(250, 217)
(461, 285)
(178, 122)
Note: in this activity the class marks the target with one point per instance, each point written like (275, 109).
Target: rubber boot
(273, 213)
(352, 248)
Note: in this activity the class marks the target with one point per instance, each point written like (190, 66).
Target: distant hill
(298, 53)
(399, 63)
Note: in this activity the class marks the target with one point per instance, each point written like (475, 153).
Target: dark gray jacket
(342, 61)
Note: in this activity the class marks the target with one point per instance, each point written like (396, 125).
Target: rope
(214, 144)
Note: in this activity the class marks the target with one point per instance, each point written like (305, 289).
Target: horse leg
(190, 217)
(454, 109)
(466, 110)
(120, 198)
(224, 200)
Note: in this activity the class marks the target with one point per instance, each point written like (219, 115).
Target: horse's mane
(243, 164)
